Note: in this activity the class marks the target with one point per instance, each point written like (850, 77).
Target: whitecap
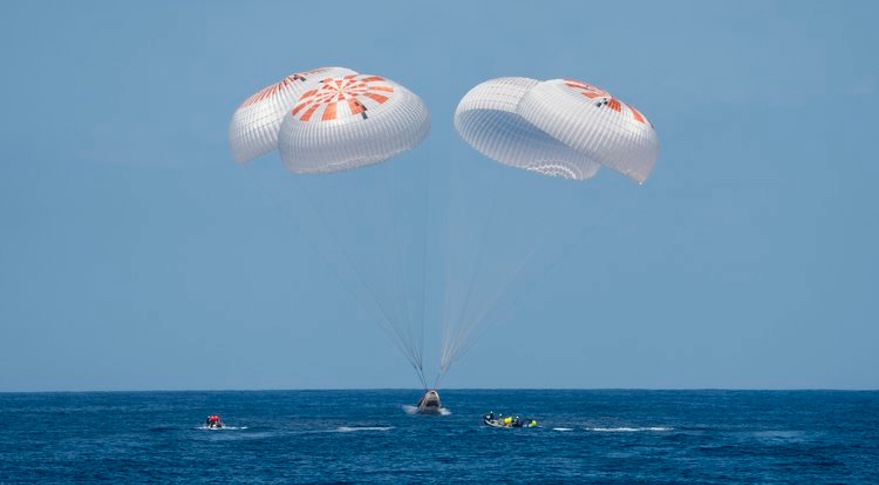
(349, 429)
(627, 429)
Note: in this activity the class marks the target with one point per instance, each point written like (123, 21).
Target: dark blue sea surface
(366, 436)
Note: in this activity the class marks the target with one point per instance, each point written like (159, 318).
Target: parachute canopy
(329, 119)
(349, 122)
(560, 127)
(253, 131)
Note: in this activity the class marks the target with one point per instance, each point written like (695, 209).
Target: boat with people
(501, 421)
(214, 422)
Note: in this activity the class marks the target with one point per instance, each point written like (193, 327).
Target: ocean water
(366, 436)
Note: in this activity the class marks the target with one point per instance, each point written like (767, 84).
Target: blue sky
(136, 254)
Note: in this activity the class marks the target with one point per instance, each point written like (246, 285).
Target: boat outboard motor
(430, 402)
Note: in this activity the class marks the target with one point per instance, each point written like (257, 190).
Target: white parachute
(329, 119)
(335, 119)
(560, 127)
(253, 131)
(351, 121)
(487, 119)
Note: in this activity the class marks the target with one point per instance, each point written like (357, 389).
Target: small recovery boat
(214, 422)
(501, 421)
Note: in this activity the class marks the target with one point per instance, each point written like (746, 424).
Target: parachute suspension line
(386, 321)
(451, 216)
(456, 329)
(415, 343)
(414, 321)
(445, 317)
(420, 373)
(461, 320)
(438, 379)
(427, 225)
(467, 343)
(467, 338)
(475, 313)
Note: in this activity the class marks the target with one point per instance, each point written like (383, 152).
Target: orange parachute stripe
(586, 89)
(377, 97)
(580, 84)
(355, 106)
(330, 112)
(298, 108)
(308, 94)
(310, 111)
(269, 91)
(259, 96)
